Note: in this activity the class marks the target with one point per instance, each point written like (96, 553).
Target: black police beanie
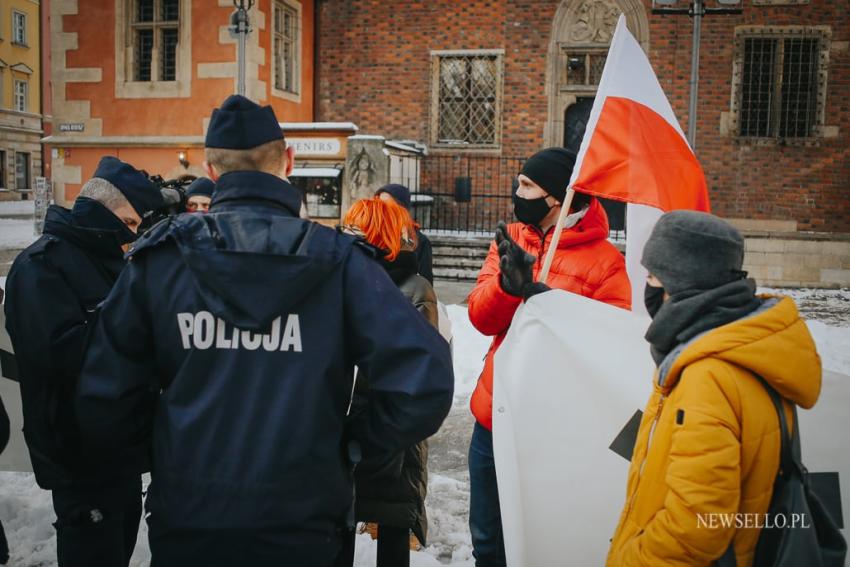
(400, 193)
(551, 169)
(689, 250)
(200, 186)
(241, 124)
(133, 184)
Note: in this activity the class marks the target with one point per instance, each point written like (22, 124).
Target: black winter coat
(232, 337)
(392, 491)
(52, 295)
(4, 426)
(424, 259)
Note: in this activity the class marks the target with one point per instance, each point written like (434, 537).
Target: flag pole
(556, 236)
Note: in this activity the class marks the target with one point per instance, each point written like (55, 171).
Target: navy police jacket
(52, 294)
(231, 339)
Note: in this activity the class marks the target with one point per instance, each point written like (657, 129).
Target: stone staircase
(458, 258)
(7, 256)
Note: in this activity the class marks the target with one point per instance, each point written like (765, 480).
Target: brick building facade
(139, 79)
(503, 79)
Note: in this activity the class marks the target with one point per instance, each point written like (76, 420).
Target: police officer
(234, 336)
(199, 195)
(52, 294)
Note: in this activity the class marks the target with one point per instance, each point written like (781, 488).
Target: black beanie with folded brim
(690, 250)
(552, 169)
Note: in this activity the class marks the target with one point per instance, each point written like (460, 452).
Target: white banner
(569, 376)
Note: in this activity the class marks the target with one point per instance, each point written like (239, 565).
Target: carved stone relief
(595, 21)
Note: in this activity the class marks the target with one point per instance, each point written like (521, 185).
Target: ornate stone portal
(581, 33)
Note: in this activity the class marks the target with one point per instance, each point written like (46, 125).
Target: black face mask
(653, 299)
(530, 211)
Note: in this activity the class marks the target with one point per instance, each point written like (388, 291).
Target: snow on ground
(470, 346)
(16, 233)
(27, 514)
(827, 312)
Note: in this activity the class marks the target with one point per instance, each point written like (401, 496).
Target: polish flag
(635, 151)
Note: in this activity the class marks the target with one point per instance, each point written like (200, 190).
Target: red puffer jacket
(585, 263)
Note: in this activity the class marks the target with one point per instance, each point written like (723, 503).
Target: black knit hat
(132, 183)
(551, 169)
(201, 186)
(241, 124)
(689, 250)
(399, 193)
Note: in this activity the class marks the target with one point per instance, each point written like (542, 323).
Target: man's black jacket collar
(240, 188)
(92, 228)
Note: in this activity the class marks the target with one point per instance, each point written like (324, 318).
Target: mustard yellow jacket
(709, 440)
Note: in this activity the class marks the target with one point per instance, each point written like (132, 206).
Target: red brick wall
(375, 71)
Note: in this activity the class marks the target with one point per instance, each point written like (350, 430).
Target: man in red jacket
(585, 263)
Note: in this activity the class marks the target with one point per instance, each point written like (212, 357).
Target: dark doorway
(575, 123)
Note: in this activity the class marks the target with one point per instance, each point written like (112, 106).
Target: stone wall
(782, 259)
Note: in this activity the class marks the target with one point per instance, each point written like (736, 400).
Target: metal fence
(465, 194)
(469, 195)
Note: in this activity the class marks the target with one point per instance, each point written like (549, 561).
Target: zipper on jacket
(651, 433)
(542, 249)
(646, 453)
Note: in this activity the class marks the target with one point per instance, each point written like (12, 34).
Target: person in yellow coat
(707, 450)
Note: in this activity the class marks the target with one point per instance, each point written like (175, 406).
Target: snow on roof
(367, 137)
(318, 126)
(403, 147)
(315, 172)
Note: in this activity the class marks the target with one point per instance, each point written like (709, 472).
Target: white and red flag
(635, 151)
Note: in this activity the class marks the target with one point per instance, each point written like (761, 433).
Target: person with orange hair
(391, 492)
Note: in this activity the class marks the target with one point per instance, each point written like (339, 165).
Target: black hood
(238, 247)
(91, 227)
(403, 267)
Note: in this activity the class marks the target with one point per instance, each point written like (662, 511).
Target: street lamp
(240, 25)
(696, 10)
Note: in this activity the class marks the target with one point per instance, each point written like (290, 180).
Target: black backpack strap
(790, 456)
(790, 460)
(728, 559)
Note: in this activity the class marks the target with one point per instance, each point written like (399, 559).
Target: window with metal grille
(155, 27)
(22, 171)
(780, 86)
(584, 69)
(286, 37)
(19, 28)
(21, 90)
(468, 99)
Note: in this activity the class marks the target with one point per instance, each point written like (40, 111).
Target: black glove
(515, 265)
(532, 289)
